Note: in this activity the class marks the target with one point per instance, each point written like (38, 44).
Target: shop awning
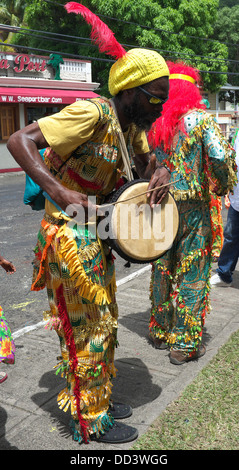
(43, 96)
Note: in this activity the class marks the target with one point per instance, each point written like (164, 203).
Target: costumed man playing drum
(78, 269)
(201, 157)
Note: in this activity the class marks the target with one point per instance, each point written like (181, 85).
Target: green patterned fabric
(180, 279)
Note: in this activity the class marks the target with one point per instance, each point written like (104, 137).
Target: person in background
(198, 155)
(229, 255)
(7, 346)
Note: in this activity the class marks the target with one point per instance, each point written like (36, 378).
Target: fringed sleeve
(220, 158)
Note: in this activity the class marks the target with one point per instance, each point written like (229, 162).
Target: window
(34, 113)
(8, 121)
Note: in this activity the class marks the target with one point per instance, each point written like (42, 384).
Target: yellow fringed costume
(75, 266)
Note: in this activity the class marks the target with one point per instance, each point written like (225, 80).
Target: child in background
(7, 346)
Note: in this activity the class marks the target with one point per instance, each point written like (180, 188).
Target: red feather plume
(100, 33)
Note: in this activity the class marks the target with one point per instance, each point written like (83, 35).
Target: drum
(137, 232)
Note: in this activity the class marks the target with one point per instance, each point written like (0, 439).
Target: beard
(136, 114)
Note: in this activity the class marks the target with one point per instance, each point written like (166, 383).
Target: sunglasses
(152, 99)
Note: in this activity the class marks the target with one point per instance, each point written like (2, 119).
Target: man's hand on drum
(77, 205)
(148, 167)
(160, 177)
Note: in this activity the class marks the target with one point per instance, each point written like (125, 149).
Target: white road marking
(133, 275)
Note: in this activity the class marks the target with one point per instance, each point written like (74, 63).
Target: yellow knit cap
(135, 68)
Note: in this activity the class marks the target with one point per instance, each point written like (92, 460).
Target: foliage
(227, 3)
(176, 28)
(11, 13)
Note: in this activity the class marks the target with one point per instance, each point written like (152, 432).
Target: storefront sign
(22, 63)
(30, 99)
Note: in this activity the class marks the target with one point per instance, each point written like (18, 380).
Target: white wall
(6, 159)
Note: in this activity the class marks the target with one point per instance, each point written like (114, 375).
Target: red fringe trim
(62, 309)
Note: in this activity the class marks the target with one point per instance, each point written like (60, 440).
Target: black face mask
(136, 114)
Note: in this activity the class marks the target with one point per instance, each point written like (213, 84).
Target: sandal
(120, 411)
(118, 434)
(3, 377)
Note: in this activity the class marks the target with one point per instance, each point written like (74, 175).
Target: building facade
(34, 86)
(226, 113)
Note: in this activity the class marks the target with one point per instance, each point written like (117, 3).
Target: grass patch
(206, 415)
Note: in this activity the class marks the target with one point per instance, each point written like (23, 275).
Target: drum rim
(115, 196)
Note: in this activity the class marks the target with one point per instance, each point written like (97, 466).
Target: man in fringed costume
(197, 152)
(73, 263)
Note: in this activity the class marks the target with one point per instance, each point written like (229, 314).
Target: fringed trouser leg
(81, 291)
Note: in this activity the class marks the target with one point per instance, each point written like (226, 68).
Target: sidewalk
(29, 414)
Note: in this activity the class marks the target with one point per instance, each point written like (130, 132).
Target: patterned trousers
(80, 279)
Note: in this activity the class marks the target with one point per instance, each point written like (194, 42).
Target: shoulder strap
(123, 148)
(124, 151)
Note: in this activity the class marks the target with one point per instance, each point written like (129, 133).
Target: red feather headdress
(100, 33)
(183, 97)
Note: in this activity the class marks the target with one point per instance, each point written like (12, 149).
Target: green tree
(227, 3)
(176, 28)
(11, 13)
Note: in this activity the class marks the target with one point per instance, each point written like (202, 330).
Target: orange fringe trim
(50, 235)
